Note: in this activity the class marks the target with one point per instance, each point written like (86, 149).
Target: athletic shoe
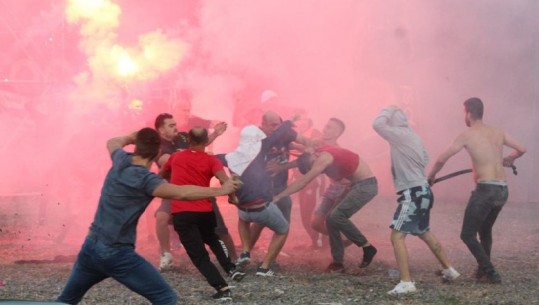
(403, 288)
(368, 254)
(244, 259)
(236, 275)
(264, 272)
(335, 268)
(450, 274)
(223, 295)
(165, 263)
(492, 277)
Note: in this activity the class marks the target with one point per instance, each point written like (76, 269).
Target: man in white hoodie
(408, 161)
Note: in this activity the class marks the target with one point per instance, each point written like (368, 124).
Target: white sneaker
(403, 288)
(450, 274)
(165, 263)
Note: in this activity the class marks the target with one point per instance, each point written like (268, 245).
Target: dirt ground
(300, 278)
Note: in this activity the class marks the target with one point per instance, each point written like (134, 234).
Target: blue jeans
(97, 261)
(485, 204)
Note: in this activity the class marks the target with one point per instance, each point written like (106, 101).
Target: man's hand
(273, 167)
(220, 128)
(430, 179)
(233, 199)
(230, 186)
(508, 161)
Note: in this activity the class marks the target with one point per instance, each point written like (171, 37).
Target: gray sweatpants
(339, 219)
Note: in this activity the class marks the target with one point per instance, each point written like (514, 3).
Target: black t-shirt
(179, 142)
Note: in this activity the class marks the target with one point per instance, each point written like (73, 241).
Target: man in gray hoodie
(408, 161)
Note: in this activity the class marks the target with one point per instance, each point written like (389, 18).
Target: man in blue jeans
(109, 248)
(484, 144)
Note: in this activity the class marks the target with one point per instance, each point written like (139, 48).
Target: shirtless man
(484, 144)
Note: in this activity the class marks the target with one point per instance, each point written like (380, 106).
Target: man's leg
(256, 230)
(436, 248)
(222, 231)
(284, 205)
(244, 231)
(307, 203)
(275, 246)
(475, 214)
(211, 239)
(83, 276)
(318, 223)
(401, 254)
(485, 232)
(272, 218)
(188, 225)
(140, 276)
(339, 220)
(162, 221)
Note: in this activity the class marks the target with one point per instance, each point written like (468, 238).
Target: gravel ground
(300, 278)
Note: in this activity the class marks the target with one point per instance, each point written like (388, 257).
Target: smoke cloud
(79, 72)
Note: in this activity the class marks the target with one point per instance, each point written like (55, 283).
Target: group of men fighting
(189, 204)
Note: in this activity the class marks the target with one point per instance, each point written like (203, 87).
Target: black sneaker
(223, 295)
(480, 274)
(335, 268)
(368, 254)
(264, 272)
(244, 259)
(494, 277)
(236, 275)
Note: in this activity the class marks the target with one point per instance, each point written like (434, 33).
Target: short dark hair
(474, 106)
(147, 143)
(198, 136)
(304, 163)
(160, 119)
(340, 123)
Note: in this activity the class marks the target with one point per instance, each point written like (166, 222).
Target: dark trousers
(339, 219)
(195, 230)
(486, 202)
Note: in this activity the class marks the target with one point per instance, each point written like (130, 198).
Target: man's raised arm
(120, 142)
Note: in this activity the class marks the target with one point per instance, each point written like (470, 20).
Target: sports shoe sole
(266, 274)
(242, 261)
(238, 276)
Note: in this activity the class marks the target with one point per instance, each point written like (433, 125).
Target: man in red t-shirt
(195, 220)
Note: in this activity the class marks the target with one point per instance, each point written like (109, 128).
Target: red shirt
(190, 167)
(344, 164)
